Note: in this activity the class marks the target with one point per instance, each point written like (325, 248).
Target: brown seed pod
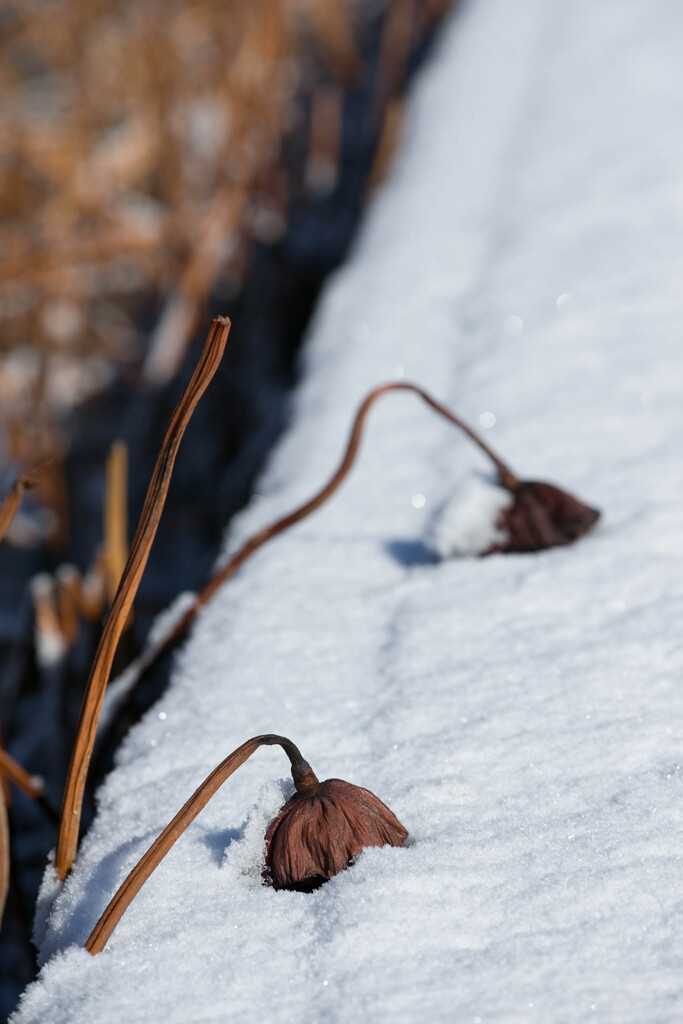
(322, 828)
(542, 516)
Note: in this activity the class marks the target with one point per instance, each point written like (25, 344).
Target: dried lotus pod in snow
(314, 836)
(485, 518)
(543, 516)
(322, 828)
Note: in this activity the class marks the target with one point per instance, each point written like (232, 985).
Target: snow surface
(520, 714)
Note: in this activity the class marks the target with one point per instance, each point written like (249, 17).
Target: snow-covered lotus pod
(542, 516)
(322, 828)
(516, 516)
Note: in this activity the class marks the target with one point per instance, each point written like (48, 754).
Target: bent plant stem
(30, 785)
(508, 479)
(127, 892)
(121, 606)
(4, 854)
(10, 505)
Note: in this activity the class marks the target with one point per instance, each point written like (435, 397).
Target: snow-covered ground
(522, 715)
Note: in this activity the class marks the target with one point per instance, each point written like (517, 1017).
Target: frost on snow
(520, 715)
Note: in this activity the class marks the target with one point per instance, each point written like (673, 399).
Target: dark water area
(232, 430)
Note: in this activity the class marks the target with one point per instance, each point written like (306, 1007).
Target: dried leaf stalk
(4, 854)
(69, 598)
(28, 784)
(137, 559)
(185, 816)
(10, 505)
(32, 786)
(116, 515)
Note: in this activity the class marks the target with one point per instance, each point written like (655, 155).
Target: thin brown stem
(116, 516)
(11, 769)
(4, 854)
(10, 505)
(507, 478)
(121, 606)
(185, 816)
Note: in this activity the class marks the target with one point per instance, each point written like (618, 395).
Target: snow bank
(521, 715)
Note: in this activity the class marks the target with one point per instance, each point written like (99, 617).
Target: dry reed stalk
(392, 62)
(28, 784)
(32, 786)
(4, 855)
(4, 782)
(116, 516)
(508, 479)
(69, 600)
(93, 600)
(10, 505)
(144, 535)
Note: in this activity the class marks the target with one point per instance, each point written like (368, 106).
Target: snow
(521, 715)
(119, 688)
(468, 524)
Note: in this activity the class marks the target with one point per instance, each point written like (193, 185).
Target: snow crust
(520, 714)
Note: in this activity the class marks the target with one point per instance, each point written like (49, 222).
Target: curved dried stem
(508, 480)
(4, 854)
(28, 784)
(185, 816)
(31, 785)
(10, 505)
(137, 560)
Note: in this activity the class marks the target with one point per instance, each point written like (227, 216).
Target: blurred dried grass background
(140, 151)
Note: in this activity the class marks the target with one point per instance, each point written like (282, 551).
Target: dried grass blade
(4, 854)
(137, 559)
(11, 769)
(10, 505)
(116, 515)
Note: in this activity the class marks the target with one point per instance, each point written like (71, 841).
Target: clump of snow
(245, 856)
(469, 524)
